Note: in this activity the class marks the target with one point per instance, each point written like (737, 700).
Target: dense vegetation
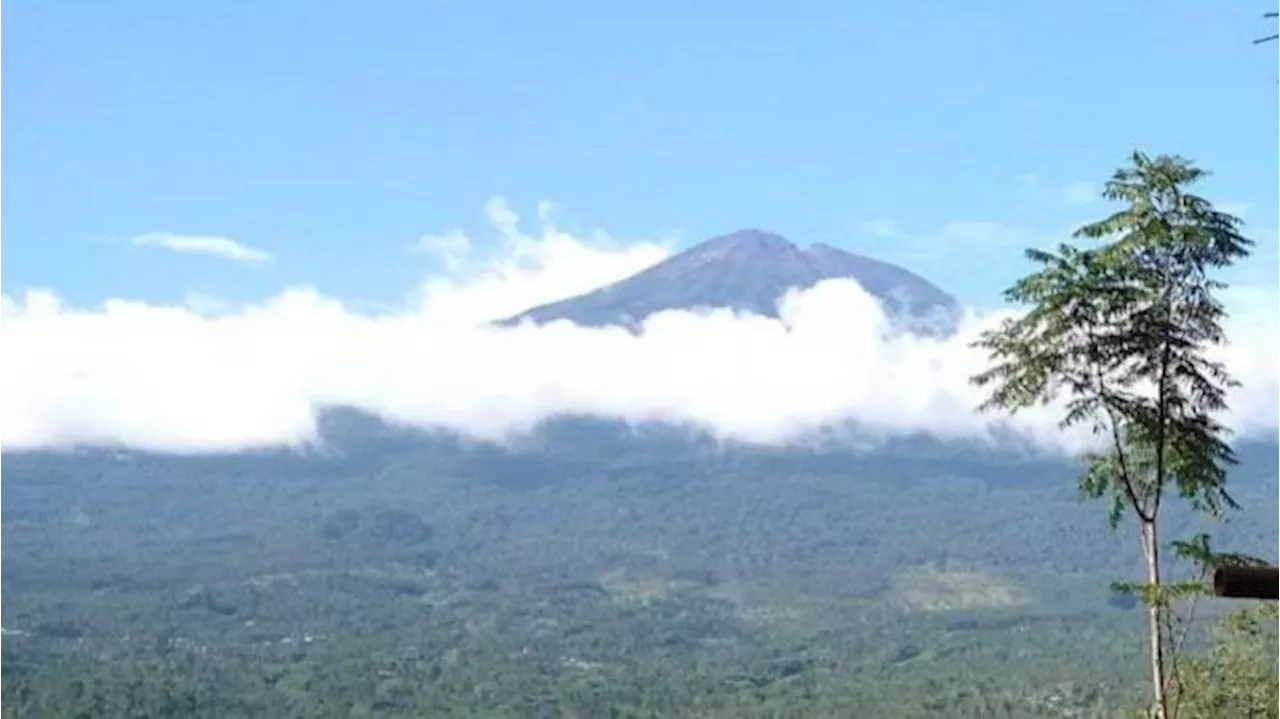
(589, 572)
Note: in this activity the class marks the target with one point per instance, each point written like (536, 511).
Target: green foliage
(1119, 332)
(1238, 676)
(657, 580)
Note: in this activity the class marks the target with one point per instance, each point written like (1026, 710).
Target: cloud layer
(220, 378)
(212, 245)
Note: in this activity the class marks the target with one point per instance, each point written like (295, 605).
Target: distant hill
(749, 271)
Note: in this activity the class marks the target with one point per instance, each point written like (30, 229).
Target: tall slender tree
(1118, 331)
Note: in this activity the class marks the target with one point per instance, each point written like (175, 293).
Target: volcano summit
(749, 271)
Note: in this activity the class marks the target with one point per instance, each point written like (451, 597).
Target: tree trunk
(1155, 626)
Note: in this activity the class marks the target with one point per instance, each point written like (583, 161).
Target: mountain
(749, 271)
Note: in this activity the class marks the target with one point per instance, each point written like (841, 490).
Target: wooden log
(1247, 582)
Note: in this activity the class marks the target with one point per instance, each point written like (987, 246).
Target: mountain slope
(749, 271)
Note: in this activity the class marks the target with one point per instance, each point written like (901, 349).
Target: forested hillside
(621, 574)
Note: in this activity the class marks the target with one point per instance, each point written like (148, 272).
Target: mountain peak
(749, 240)
(748, 270)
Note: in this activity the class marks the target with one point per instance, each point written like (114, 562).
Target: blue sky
(942, 135)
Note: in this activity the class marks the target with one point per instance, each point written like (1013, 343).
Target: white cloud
(178, 379)
(526, 270)
(213, 245)
(1078, 194)
(452, 248)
